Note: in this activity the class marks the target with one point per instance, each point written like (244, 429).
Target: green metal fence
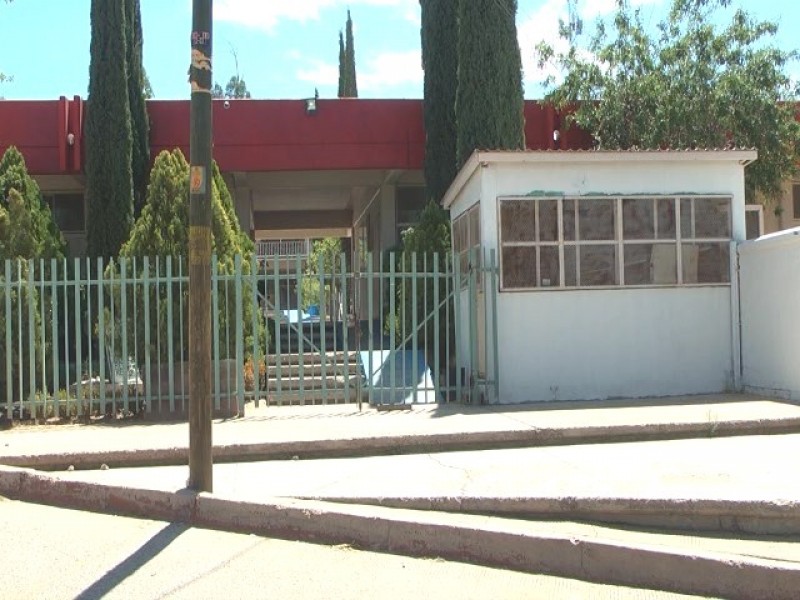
(109, 339)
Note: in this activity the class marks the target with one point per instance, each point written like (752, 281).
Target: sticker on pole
(197, 180)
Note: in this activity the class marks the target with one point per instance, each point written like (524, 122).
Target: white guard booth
(617, 270)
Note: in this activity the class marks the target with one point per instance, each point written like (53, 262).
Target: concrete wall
(770, 313)
(621, 342)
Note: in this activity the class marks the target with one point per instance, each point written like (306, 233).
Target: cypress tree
(351, 87)
(140, 125)
(39, 225)
(342, 75)
(489, 102)
(440, 61)
(109, 180)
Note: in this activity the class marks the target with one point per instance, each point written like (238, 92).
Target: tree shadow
(133, 563)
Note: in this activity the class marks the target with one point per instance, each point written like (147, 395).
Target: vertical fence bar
(42, 336)
(31, 338)
(370, 325)
(254, 307)
(88, 325)
(345, 326)
(215, 327)
(9, 346)
(112, 337)
(20, 357)
(123, 316)
(170, 338)
(148, 372)
(53, 333)
(323, 317)
(135, 371)
(415, 326)
(239, 337)
(301, 331)
(101, 331)
(457, 321)
(495, 347)
(276, 313)
(76, 314)
(436, 366)
(393, 324)
(159, 326)
(426, 281)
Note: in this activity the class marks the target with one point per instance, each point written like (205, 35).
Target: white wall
(770, 309)
(590, 344)
(624, 342)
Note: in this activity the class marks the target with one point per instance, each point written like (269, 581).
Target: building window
(410, 202)
(68, 211)
(467, 242)
(606, 242)
(754, 221)
(796, 201)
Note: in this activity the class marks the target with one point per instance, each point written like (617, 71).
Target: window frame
(619, 242)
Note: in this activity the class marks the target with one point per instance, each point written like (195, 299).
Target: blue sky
(285, 48)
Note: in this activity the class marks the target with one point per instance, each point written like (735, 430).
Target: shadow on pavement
(133, 563)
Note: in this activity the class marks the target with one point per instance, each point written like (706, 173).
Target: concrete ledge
(504, 543)
(416, 444)
(729, 516)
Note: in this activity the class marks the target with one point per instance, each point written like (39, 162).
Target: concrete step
(331, 381)
(311, 369)
(312, 358)
(311, 396)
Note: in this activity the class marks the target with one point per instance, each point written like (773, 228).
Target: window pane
(637, 219)
(666, 218)
(519, 267)
(458, 244)
(686, 218)
(650, 264)
(597, 219)
(706, 263)
(796, 200)
(517, 221)
(67, 211)
(548, 220)
(598, 265)
(550, 271)
(712, 218)
(570, 266)
(474, 226)
(410, 203)
(569, 220)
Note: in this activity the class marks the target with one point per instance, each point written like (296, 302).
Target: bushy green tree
(45, 240)
(109, 177)
(439, 35)
(489, 101)
(162, 231)
(140, 123)
(689, 84)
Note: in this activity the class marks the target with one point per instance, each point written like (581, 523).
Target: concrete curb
(408, 444)
(482, 540)
(686, 514)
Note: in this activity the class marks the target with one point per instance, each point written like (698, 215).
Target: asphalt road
(57, 553)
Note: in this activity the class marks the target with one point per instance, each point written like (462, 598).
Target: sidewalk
(706, 464)
(341, 430)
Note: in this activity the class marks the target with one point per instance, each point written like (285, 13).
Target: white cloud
(541, 25)
(390, 69)
(382, 71)
(266, 14)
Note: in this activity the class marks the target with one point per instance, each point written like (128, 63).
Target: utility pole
(200, 78)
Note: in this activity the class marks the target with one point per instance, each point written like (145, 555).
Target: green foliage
(421, 245)
(439, 35)
(30, 230)
(235, 89)
(109, 176)
(342, 76)
(324, 260)
(350, 84)
(692, 84)
(162, 231)
(140, 123)
(489, 101)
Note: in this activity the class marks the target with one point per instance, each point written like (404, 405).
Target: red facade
(260, 135)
